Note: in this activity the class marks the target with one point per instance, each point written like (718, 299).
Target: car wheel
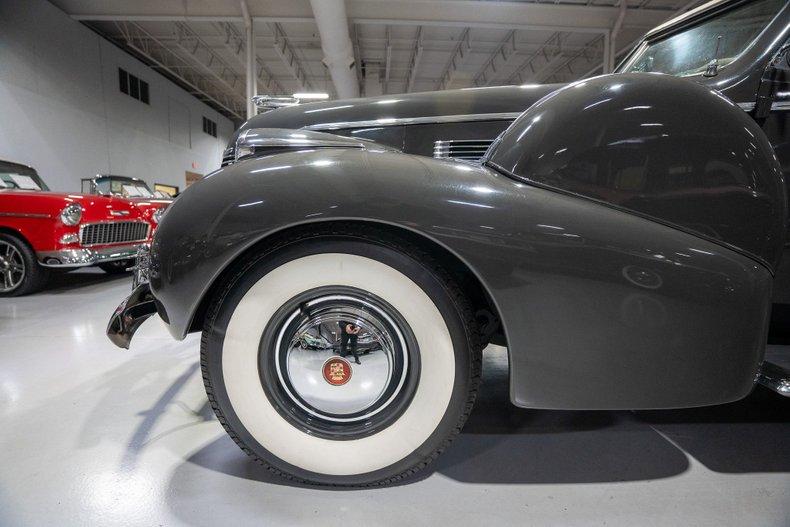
(20, 272)
(311, 407)
(116, 267)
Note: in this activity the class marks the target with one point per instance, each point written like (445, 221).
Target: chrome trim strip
(459, 118)
(23, 215)
(775, 378)
(777, 106)
(285, 142)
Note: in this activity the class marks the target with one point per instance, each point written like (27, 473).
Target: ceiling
(398, 45)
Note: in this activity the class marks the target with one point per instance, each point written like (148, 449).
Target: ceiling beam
(499, 59)
(467, 13)
(387, 58)
(460, 54)
(594, 43)
(192, 45)
(163, 58)
(236, 45)
(550, 49)
(288, 57)
(414, 62)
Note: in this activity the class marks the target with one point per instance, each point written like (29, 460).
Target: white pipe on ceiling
(616, 31)
(251, 74)
(330, 16)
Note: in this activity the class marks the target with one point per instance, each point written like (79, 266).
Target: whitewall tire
(273, 333)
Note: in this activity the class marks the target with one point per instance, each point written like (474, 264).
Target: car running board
(775, 371)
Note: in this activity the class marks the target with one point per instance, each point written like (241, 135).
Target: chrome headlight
(71, 214)
(157, 215)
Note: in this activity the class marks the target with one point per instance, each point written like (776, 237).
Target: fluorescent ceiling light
(310, 95)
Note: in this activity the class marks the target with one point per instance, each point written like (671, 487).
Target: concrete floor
(93, 435)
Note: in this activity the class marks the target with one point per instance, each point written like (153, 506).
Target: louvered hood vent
(465, 149)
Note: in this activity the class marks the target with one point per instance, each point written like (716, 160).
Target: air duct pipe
(250, 66)
(330, 16)
(615, 32)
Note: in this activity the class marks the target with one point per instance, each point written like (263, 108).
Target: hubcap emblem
(337, 371)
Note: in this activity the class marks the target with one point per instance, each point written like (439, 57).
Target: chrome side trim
(775, 378)
(777, 106)
(267, 138)
(458, 118)
(23, 215)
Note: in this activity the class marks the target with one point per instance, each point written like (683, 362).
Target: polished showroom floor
(94, 435)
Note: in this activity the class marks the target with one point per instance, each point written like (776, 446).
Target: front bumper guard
(129, 315)
(82, 257)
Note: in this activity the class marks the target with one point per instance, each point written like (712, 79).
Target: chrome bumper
(775, 378)
(129, 315)
(84, 257)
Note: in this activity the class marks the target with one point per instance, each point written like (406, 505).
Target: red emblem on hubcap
(337, 371)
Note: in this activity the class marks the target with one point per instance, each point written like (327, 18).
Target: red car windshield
(19, 177)
(121, 186)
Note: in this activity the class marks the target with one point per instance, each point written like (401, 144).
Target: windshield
(689, 52)
(19, 177)
(126, 187)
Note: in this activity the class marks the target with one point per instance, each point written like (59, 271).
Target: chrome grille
(228, 156)
(113, 232)
(466, 149)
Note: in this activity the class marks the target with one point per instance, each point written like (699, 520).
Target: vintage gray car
(462, 124)
(620, 238)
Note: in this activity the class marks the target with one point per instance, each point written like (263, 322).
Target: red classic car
(151, 202)
(42, 230)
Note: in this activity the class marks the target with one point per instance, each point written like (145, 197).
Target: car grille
(228, 156)
(466, 149)
(113, 232)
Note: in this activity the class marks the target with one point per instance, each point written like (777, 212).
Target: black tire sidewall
(35, 275)
(426, 278)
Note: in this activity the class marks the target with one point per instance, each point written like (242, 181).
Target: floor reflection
(502, 444)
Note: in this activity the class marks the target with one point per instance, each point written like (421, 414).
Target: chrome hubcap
(12, 267)
(339, 363)
(342, 357)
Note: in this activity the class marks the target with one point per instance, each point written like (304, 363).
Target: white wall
(61, 110)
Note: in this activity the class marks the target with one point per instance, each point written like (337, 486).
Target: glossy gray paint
(601, 308)
(470, 101)
(739, 81)
(659, 146)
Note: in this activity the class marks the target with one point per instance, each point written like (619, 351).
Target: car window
(20, 178)
(123, 187)
(689, 52)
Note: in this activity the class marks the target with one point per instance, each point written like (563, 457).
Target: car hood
(345, 112)
(95, 208)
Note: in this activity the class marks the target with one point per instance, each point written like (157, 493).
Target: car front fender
(601, 308)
